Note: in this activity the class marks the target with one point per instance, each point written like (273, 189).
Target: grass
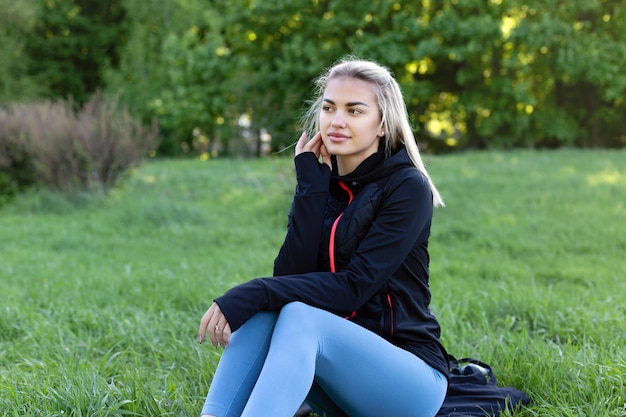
(101, 295)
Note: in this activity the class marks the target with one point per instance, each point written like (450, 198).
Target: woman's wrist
(312, 176)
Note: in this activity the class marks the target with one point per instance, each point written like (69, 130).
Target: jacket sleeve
(298, 253)
(402, 220)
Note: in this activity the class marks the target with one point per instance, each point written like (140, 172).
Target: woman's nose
(338, 120)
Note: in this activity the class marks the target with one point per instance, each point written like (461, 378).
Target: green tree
(194, 105)
(477, 74)
(464, 86)
(575, 55)
(72, 42)
(14, 83)
(283, 45)
(142, 73)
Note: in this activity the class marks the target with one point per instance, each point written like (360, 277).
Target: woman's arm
(298, 253)
(402, 221)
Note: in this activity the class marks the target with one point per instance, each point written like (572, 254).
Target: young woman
(344, 324)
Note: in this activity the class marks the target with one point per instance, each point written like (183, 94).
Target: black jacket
(378, 252)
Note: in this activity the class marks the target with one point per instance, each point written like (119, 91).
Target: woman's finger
(209, 323)
(314, 144)
(204, 324)
(325, 155)
(222, 333)
(217, 330)
(301, 143)
(214, 324)
(226, 335)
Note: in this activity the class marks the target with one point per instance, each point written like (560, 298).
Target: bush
(8, 188)
(52, 144)
(16, 165)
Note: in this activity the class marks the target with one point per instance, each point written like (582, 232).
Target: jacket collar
(372, 168)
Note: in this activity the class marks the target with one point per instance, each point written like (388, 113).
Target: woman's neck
(348, 163)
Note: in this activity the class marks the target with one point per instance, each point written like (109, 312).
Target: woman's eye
(326, 108)
(355, 111)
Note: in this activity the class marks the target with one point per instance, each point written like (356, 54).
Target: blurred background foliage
(232, 77)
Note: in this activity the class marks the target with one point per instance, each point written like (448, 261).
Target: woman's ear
(381, 133)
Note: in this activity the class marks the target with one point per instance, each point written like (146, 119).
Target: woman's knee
(259, 327)
(297, 315)
(295, 308)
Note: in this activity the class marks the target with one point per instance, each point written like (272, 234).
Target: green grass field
(101, 296)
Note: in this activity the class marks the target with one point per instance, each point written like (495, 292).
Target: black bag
(473, 391)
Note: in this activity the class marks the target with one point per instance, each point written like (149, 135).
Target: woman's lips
(337, 137)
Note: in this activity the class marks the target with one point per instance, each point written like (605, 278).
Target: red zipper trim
(331, 245)
(333, 231)
(391, 313)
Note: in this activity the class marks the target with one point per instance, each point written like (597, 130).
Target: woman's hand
(315, 145)
(214, 322)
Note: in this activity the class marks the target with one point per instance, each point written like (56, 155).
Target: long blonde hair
(391, 104)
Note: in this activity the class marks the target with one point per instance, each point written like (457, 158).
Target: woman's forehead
(348, 89)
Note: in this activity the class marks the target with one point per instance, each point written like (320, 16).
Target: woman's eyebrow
(349, 104)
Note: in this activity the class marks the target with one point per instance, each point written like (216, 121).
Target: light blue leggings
(276, 361)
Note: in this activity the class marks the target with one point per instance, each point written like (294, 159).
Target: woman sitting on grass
(344, 324)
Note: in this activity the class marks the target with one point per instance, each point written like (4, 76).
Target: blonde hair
(391, 104)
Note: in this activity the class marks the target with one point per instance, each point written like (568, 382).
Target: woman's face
(350, 121)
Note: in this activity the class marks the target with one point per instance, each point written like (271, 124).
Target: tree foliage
(143, 71)
(197, 98)
(14, 85)
(574, 55)
(475, 73)
(71, 42)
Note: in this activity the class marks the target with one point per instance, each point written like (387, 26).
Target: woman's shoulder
(405, 176)
(406, 185)
(400, 166)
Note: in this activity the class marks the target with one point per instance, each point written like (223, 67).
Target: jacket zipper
(333, 231)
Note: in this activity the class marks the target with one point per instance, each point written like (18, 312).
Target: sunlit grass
(528, 273)
(101, 296)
